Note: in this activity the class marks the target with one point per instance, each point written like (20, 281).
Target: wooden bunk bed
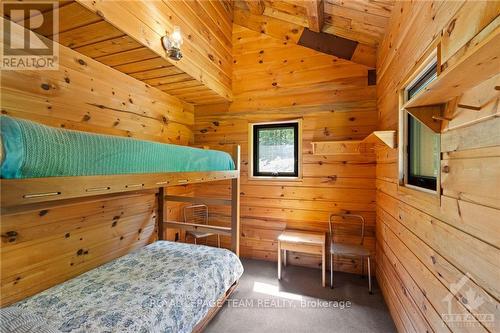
(19, 195)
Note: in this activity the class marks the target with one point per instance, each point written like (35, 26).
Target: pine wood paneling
(122, 35)
(273, 81)
(62, 240)
(426, 245)
(206, 33)
(360, 20)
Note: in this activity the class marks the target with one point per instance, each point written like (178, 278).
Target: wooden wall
(275, 80)
(60, 241)
(430, 246)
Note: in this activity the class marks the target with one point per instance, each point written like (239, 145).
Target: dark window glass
(423, 81)
(276, 150)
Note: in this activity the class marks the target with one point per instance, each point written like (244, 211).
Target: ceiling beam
(292, 33)
(255, 6)
(315, 14)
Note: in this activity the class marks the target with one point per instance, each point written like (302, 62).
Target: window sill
(275, 179)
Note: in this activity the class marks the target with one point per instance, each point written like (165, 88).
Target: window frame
(253, 150)
(420, 79)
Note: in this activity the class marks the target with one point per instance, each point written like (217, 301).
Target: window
(422, 153)
(423, 80)
(275, 149)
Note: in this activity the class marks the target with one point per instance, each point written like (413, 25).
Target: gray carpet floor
(298, 303)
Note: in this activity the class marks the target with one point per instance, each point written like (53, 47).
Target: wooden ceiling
(125, 35)
(361, 21)
(364, 21)
(87, 32)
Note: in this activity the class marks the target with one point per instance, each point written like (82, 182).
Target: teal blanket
(32, 150)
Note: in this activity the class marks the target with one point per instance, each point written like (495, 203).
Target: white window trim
(250, 151)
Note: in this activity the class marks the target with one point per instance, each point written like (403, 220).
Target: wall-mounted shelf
(387, 138)
(475, 65)
(431, 115)
(351, 147)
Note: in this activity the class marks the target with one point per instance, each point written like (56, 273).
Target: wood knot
(67, 80)
(446, 169)
(216, 123)
(332, 178)
(86, 117)
(204, 130)
(43, 212)
(11, 236)
(45, 86)
(82, 62)
(79, 252)
(451, 26)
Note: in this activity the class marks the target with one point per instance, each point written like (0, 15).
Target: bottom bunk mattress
(163, 287)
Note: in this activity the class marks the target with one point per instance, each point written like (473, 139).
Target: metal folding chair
(198, 214)
(349, 250)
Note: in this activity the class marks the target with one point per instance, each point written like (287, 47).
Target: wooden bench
(302, 241)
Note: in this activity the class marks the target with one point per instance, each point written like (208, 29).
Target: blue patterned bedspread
(163, 287)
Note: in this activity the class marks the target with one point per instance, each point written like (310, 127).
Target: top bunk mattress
(163, 287)
(32, 150)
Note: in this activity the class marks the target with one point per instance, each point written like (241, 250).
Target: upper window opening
(427, 76)
(276, 149)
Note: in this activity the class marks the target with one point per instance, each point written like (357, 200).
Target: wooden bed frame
(202, 324)
(23, 194)
(18, 195)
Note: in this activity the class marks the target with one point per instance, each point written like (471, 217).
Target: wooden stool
(302, 241)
